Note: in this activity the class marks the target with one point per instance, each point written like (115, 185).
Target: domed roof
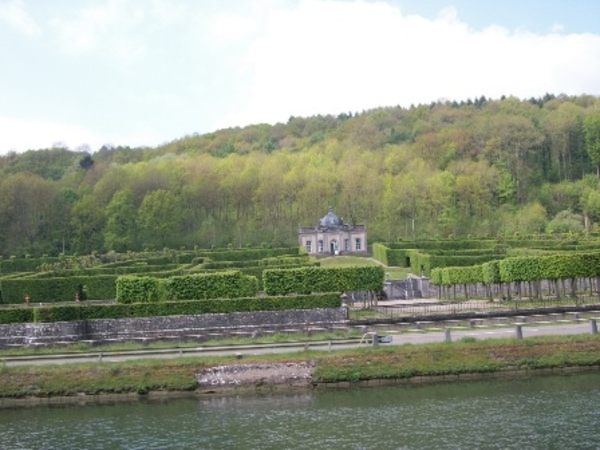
(331, 220)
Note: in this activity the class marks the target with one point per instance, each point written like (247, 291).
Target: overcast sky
(146, 72)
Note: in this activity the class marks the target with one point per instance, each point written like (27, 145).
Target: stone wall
(200, 328)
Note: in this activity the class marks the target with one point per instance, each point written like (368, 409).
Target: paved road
(414, 337)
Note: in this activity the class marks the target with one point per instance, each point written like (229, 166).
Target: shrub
(316, 279)
(132, 289)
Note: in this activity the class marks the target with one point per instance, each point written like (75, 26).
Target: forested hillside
(478, 168)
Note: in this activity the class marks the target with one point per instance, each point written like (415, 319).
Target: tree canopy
(479, 167)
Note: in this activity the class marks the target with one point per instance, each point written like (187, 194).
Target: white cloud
(95, 27)
(331, 56)
(118, 30)
(20, 135)
(229, 29)
(149, 71)
(16, 16)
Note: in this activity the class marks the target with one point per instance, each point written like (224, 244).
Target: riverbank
(307, 369)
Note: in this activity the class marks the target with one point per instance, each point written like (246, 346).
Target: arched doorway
(333, 247)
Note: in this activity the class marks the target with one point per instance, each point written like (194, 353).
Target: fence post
(447, 336)
(518, 331)
(593, 326)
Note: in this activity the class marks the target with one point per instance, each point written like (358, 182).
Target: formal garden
(543, 270)
(174, 282)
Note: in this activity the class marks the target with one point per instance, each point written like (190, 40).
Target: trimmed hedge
(316, 279)
(444, 244)
(13, 265)
(100, 287)
(103, 270)
(232, 284)
(16, 315)
(560, 266)
(422, 257)
(461, 275)
(490, 273)
(391, 256)
(247, 254)
(132, 289)
(193, 307)
(552, 267)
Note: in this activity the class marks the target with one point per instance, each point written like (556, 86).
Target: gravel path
(256, 374)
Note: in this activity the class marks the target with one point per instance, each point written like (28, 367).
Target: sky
(87, 73)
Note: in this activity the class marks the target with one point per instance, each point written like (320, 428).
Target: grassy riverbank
(402, 362)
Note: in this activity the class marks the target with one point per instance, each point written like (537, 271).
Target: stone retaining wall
(200, 327)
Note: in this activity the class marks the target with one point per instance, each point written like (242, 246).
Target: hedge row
(552, 267)
(134, 289)
(461, 275)
(423, 263)
(560, 266)
(258, 271)
(316, 279)
(104, 270)
(99, 287)
(16, 315)
(225, 265)
(287, 260)
(194, 307)
(246, 254)
(13, 265)
(234, 284)
(380, 253)
(205, 286)
(444, 244)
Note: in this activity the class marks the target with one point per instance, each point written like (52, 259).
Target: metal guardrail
(440, 308)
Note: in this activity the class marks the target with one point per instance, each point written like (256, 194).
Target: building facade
(333, 237)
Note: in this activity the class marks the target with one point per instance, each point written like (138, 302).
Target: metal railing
(449, 308)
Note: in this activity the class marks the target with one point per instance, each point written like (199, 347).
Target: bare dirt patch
(256, 374)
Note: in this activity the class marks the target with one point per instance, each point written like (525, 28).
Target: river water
(550, 412)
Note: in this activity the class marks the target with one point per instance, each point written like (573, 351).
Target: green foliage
(423, 256)
(559, 266)
(490, 272)
(478, 169)
(460, 275)
(100, 287)
(16, 315)
(249, 254)
(592, 137)
(119, 232)
(87, 224)
(215, 285)
(25, 264)
(315, 279)
(160, 217)
(52, 164)
(209, 306)
(133, 289)
(435, 277)
(380, 253)
(565, 222)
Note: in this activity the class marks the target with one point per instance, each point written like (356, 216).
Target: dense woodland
(479, 168)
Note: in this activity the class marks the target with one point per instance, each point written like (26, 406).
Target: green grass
(366, 363)
(461, 357)
(393, 272)
(132, 346)
(365, 313)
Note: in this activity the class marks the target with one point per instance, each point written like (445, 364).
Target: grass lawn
(394, 272)
(366, 363)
